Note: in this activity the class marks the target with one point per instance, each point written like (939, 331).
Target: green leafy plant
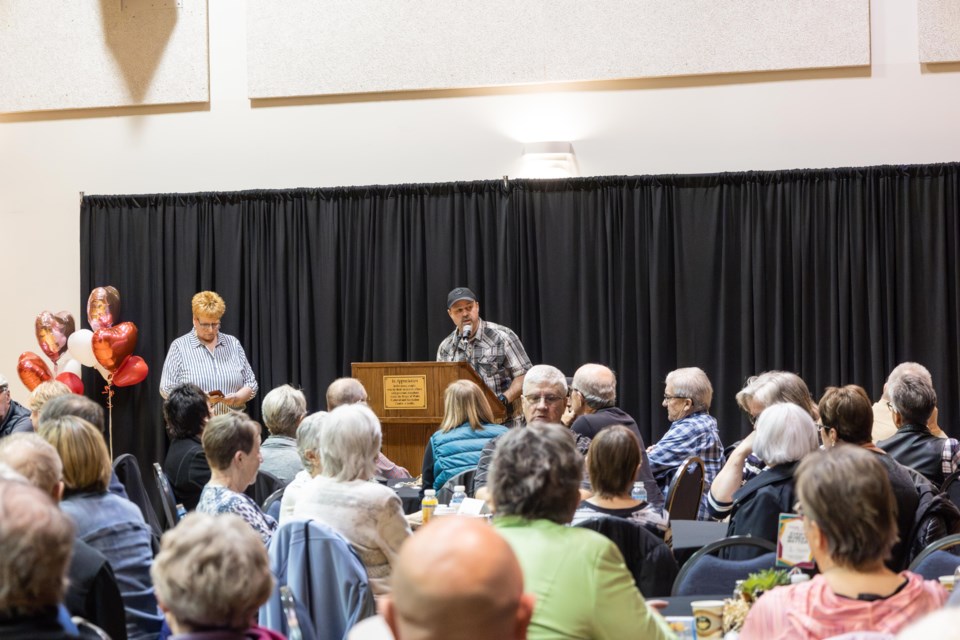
(757, 583)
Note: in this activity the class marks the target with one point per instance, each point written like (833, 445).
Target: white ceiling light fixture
(548, 160)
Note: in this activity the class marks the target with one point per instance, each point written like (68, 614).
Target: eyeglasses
(549, 399)
(669, 397)
(890, 406)
(208, 325)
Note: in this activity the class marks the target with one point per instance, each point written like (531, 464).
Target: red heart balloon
(133, 371)
(73, 381)
(32, 370)
(52, 331)
(113, 345)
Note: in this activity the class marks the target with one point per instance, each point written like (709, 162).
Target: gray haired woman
(582, 585)
(342, 497)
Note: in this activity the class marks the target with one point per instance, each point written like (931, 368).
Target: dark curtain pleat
(834, 274)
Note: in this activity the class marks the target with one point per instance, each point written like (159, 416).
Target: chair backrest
(166, 496)
(128, 473)
(264, 486)
(952, 488)
(686, 490)
(935, 561)
(464, 477)
(324, 574)
(271, 506)
(705, 574)
(936, 517)
(648, 557)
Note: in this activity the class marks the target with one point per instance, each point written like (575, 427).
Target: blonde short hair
(34, 458)
(212, 571)
(283, 409)
(86, 460)
(46, 391)
(208, 303)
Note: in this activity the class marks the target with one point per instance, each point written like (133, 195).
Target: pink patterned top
(811, 610)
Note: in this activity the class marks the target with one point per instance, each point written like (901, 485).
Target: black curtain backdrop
(836, 275)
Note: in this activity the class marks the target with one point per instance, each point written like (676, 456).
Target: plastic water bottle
(459, 493)
(429, 504)
(181, 511)
(639, 492)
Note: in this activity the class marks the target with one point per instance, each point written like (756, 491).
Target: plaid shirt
(695, 435)
(495, 353)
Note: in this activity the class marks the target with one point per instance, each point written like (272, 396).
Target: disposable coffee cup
(708, 618)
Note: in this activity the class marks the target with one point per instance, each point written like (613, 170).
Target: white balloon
(69, 365)
(103, 371)
(80, 346)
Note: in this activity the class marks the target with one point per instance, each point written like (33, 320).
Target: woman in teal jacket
(466, 428)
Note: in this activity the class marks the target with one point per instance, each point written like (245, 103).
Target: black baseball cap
(460, 293)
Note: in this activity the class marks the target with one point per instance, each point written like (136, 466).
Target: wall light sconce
(548, 160)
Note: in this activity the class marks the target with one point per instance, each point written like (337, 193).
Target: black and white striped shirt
(226, 369)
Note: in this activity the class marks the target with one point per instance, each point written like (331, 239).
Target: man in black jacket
(14, 417)
(592, 407)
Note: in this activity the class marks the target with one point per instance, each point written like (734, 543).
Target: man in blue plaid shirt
(693, 431)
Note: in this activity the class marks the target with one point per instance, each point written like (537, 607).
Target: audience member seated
(785, 434)
(466, 428)
(81, 407)
(43, 393)
(308, 448)
(35, 544)
(693, 431)
(612, 463)
(846, 416)
(912, 400)
(368, 514)
(14, 416)
(760, 392)
(544, 400)
(883, 426)
(455, 579)
(848, 518)
(283, 409)
(110, 524)
(185, 412)
(350, 391)
(92, 591)
(591, 408)
(582, 586)
(212, 575)
(232, 444)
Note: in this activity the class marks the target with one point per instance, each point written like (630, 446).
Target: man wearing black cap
(494, 351)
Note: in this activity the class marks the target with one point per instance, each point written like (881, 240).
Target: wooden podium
(408, 399)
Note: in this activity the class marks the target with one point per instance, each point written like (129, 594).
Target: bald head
(457, 579)
(597, 384)
(345, 391)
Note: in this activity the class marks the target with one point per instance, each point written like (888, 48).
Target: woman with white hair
(342, 497)
(785, 434)
(283, 409)
(308, 448)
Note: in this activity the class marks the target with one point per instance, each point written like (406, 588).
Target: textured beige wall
(893, 112)
(939, 30)
(101, 53)
(328, 47)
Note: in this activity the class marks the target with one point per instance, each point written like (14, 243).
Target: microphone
(465, 331)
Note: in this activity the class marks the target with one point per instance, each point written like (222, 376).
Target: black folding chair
(166, 496)
(705, 574)
(686, 490)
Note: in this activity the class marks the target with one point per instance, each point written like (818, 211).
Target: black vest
(914, 446)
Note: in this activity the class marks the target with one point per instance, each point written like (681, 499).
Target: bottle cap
(458, 488)
(429, 492)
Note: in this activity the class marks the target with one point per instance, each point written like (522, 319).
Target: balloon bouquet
(107, 348)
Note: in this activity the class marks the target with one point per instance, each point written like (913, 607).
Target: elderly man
(592, 402)
(544, 398)
(350, 391)
(457, 579)
(36, 540)
(283, 409)
(92, 591)
(912, 400)
(494, 351)
(883, 426)
(693, 431)
(14, 417)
